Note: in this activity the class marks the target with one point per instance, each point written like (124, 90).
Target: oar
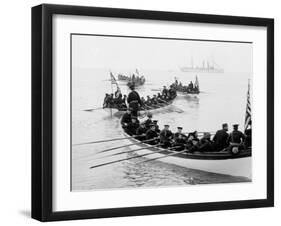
(121, 160)
(127, 145)
(102, 141)
(179, 110)
(174, 153)
(125, 152)
(93, 109)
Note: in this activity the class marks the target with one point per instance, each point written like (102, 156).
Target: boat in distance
(208, 67)
(214, 162)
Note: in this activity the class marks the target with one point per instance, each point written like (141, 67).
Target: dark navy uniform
(151, 134)
(132, 127)
(126, 119)
(221, 139)
(236, 137)
(141, 131)
(166, 138)
(180, 140)
(134, 101)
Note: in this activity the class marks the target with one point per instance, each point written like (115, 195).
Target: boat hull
(223, 163)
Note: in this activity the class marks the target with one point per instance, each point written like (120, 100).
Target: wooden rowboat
(143, 110)
(214, 162)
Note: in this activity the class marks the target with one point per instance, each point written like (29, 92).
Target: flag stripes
(248, 118)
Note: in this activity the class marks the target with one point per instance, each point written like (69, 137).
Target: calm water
(223, 99)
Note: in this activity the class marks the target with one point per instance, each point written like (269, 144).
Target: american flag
(248, 118)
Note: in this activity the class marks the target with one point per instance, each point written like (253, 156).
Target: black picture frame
(42, 107)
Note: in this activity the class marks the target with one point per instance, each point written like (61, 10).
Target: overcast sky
(144, 53)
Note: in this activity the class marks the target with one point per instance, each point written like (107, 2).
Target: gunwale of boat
(241, 167)
(163, 105)
(197, 155)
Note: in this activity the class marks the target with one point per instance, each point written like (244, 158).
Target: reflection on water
(222, 100)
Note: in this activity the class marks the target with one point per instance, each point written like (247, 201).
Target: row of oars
(146, 106)
(132, 151)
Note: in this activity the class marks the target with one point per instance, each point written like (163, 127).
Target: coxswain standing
(134, 100)
(180, 140)
(221, 138)
(152, 135)
(126, 118)
(166, 137)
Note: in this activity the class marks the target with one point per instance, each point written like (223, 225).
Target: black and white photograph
(150, 112)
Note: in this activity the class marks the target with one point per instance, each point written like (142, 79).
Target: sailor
(206, 145)
(180, 139)
(159, 98)
(154, 99)
(134, 100)
(193, 145)
(221, 138)
(148, 121)
(192, 135)
(156, 126)
(148, 101)
(110, 100)
(166, 137)
(143, 101)
(151, 135)
(141, 132)
(126, 118)
(132, 126)
(165, 91)
(105, 101)
(236, 136)
(235, 140)
(190, 86)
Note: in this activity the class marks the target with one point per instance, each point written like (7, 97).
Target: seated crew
(105, 101)
(154, 100)
(192, 144)
(148, 121)
(141, 132)
(110, 100)
(143, 102)
(152, 135)
(206, 145)
(180, 140)
(165, 91)
(132, 126)
(248, 136)
(190, 86)
(159, 98)
(236, 138)
(157, 129)
(221, 138)
(126, 118)
(148, 101)
(166, 137)
(192, 135)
